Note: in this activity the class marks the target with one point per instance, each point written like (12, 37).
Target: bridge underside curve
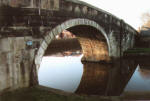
(93, 43)
(93, 40)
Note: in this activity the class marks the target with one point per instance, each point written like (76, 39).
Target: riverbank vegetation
(40, 93)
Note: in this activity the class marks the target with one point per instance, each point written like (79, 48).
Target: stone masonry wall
(94, 50)
(43, 4)
(16, 60)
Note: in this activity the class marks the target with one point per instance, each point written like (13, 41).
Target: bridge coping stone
(44, 44)
(59, 29)
(39, 55)
(91, 6)
(56, 30)
(51, 35)
(47, 38)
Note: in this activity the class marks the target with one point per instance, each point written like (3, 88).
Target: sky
(128, 10)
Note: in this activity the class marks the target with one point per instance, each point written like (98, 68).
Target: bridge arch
(66, 25)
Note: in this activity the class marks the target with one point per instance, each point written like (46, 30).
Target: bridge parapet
(41, 4)
(50, 13)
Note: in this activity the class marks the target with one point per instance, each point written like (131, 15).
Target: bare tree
(146, 19)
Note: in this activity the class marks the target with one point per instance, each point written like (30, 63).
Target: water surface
(69, 74)
(63, 73)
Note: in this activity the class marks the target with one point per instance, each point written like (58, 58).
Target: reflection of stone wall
(106, 79)
(94, 79)
(120, 75)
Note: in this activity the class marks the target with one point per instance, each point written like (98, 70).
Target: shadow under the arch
(86, 38)
(93, 43)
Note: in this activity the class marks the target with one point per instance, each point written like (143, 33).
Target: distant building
(65, 34)
(145, 31)
(143, 40)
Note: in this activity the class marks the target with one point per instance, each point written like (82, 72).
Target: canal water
(69, 74)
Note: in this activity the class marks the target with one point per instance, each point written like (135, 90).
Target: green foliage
(138, 50)
(37, 94)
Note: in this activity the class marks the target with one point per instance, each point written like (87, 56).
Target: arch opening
(61, 64)
(85, 39)
(67, 25)
(64, 44)
(91, 38)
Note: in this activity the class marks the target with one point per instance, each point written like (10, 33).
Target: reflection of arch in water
(105, 79)
(94, 79)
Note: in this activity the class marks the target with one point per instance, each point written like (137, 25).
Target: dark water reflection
(69, 74)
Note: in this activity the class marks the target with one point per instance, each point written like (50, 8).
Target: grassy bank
(40, 93)
(45, 94)
(138, 50)
(141, 96)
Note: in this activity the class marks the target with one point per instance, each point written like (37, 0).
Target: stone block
(85, 10)
(20, 3)
(81, 21)
(56, 4)
(44, 45)
(55, 31)
(28, 38)
(3, 57)
(12, 43)
(66, 24)
(77, 9)
(40, 52)
(2, 70)
(63, 27)
(5, 45)
(32, 55)
(51, 34)
(95, 12)
(45, 4)
(69, 8)
(72, 23)
(59, 29)
(4, 77)
(75, 21)
(48, 39)
(50, 4)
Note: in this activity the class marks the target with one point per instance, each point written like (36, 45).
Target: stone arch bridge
(27, 27)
